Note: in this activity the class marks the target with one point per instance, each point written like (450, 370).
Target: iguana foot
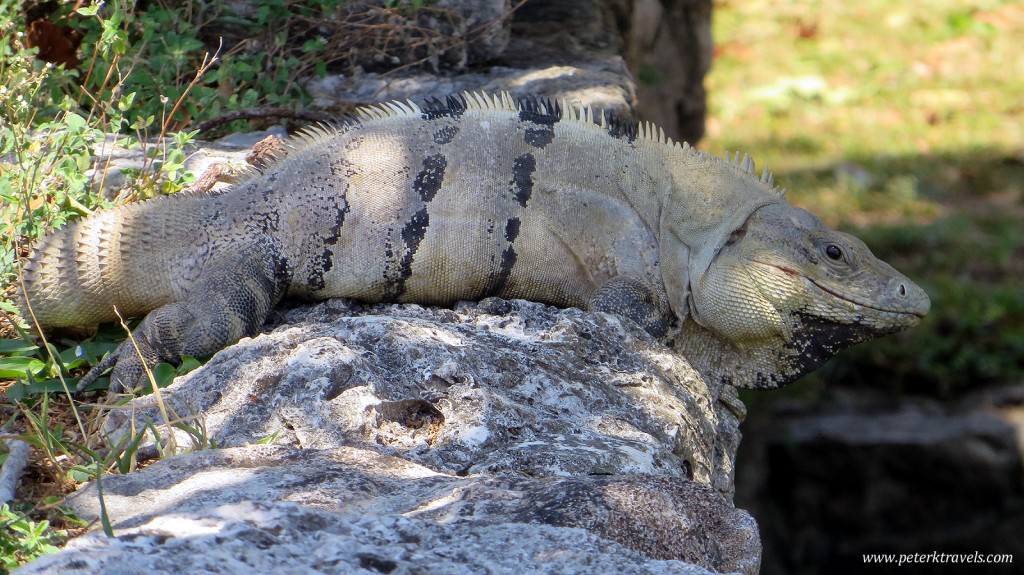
(128, 367)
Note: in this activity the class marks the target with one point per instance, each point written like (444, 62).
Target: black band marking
(522, 178)
(497, 281)
(445, 134)
(512, 229)
(539, 137)
(323, 262)
(412, 234)
(428, 181)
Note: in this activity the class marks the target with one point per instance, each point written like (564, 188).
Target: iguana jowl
(481, 196)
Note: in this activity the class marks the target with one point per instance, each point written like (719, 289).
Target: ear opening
(737, 235)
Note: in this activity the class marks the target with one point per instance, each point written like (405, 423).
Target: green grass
(901, 123)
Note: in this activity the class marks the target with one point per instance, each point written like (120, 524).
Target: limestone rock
(440, 35)
(506, 420)
(499, 387)
(111, 161)
(657, 518)
(258, 537)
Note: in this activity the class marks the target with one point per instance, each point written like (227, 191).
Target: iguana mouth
(899, 312)
(904, 312)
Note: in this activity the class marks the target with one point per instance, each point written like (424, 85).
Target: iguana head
(784, 293)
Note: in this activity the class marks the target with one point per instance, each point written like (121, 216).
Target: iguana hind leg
(232, 300)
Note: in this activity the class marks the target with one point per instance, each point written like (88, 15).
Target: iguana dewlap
(474, 197)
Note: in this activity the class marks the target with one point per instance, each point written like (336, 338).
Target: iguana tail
(78, 274)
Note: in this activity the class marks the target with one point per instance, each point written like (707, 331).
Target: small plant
(22, 539)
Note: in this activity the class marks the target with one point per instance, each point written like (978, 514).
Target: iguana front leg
(232, 301)
(631, 297)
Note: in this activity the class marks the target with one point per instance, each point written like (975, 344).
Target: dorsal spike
(748, 164)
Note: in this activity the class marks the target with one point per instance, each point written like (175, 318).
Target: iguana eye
(834, 252)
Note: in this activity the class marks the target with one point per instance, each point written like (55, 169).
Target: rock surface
(565, 440)
(555, 49)
(597, 53)
(499, 386)
(588, 52)
(253, 537)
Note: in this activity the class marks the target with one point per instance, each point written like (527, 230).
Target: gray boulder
(277, 537)
(498, 437)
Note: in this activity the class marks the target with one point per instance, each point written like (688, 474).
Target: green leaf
(79, 476)
(85, 353)
(124, 461)
(163, 373)
(268, 439)
(126, 102)
(22, 390)
(75, 123)
(16, 346)
(188, 363)
(14, 367)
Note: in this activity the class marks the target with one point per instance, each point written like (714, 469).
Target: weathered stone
(487, 27)
(441, 35)
(274, 537)
(555, 49)
(499, 387)
(491, 418)
(113, 164)
(586, 52)
(661, 518)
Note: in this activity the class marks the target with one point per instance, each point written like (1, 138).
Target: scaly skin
(482, 196)
(804, 293)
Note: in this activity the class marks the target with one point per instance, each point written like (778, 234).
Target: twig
(10, 474)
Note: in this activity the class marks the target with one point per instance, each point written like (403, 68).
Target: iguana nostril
(903, 289)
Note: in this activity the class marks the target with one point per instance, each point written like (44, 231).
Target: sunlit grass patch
(903, 123)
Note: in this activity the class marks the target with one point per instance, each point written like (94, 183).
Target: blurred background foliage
(902, 123)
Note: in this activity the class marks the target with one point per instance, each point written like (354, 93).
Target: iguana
(475, 196)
